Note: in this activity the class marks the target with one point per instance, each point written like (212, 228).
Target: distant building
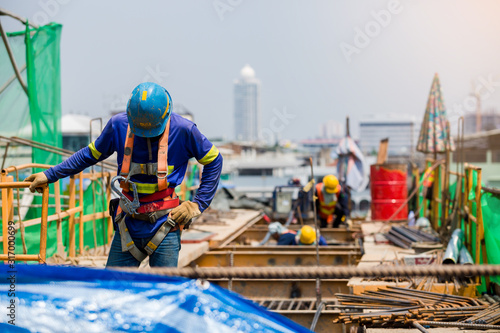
(489, 120)
(247, 105)
(331, 129)
(402, 133)
(75, 130)
(482, 150)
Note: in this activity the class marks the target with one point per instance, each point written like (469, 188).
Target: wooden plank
(382, 151)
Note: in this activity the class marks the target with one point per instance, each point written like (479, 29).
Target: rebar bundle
(404, 307)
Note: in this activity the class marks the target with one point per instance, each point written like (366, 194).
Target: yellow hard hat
(307, 235)
(331, 184)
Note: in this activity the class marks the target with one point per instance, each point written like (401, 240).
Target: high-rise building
(488, 120)
(247, 105)
(331, 129)
(402, 132)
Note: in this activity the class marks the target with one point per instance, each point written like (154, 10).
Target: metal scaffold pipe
(331, 272)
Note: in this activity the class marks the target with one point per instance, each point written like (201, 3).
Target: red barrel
(389, 191)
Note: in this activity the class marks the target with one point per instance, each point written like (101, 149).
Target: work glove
(308, 186)
(183, 213)
(36, 180)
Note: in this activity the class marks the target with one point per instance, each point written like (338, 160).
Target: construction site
(407, 242)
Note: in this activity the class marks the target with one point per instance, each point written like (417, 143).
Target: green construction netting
(36, 115)
(490, 205)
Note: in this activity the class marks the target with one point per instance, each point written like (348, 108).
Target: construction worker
(305, 236)
(153, 147)
(331, 205)
(281, 233)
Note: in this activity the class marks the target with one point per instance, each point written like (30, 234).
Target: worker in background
(332, 204)
(281, 233)
(305, 236)
(153, 147)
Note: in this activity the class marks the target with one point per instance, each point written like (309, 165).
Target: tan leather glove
(183, 213)
(308, 186)
(36, 180)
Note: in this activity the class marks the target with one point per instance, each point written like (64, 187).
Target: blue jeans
(166, 255)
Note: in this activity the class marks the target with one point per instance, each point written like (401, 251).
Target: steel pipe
(453, 249)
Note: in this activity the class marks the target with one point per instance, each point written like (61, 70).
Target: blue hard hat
(148, 109)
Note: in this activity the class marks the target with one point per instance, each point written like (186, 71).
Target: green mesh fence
(490, 205)
(36, 115)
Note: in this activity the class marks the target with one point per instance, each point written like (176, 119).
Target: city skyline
(317, 61)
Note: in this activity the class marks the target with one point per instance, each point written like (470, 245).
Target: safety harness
(143, 208)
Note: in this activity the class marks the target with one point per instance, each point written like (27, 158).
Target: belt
(159, 205)
(152, 197)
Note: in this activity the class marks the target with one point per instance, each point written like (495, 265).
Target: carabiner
(129, 207)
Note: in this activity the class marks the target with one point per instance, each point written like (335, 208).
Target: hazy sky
(314, 63)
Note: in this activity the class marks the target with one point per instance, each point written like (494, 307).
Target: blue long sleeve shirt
(185, 141)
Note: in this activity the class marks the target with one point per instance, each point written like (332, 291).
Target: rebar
(330, 272)
(463, 325)
(419, 327)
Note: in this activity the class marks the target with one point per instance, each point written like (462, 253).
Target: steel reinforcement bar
(331, 272)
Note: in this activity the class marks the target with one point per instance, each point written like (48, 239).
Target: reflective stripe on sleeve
(96, 153)
(210, 156)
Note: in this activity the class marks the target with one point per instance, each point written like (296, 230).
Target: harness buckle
(159, 177)
(152, 217)
(128, 206)
(171, 221)
(151, 169)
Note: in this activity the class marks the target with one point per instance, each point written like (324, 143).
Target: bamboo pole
(416, 174)
(43, 226)
(81, 213)
(57, 192)
(469, 204)
(435, 198)
(110, 218)
(26, 166)
(10, 199)
(21, 257)
(20, 220)
(5, 212)
(71, 226)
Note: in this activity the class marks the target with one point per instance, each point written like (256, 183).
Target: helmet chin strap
(150, 151)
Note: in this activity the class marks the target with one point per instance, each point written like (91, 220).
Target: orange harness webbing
(162, 157)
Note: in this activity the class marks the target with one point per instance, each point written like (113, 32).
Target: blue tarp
(78, 299)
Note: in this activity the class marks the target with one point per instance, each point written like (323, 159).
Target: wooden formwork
(257, 233)
(275, 258)
(282, 288)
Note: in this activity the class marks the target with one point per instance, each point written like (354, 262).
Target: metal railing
(74, 212)
(8, 234)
